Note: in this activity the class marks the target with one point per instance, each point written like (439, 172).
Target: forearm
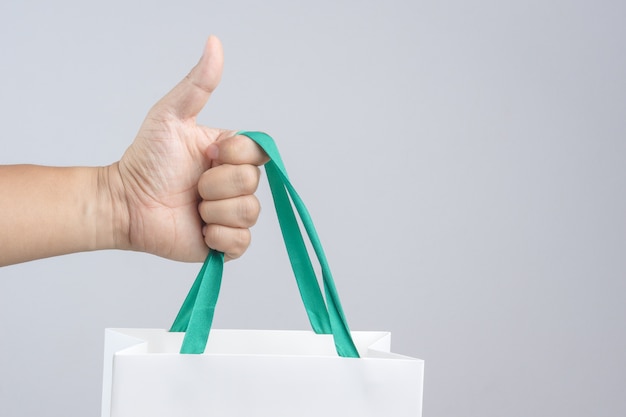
(49, 211)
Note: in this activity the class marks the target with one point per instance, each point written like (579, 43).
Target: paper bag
(257, 373)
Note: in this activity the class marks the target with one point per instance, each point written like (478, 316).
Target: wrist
(113, 222)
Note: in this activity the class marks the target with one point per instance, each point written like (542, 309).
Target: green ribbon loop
(325, 315)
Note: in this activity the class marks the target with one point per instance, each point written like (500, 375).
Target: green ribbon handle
(196, 314)
(325, 315)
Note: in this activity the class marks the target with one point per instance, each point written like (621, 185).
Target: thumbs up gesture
(182, 187)
(179, 189)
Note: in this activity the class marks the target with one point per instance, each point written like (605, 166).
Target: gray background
(463, 161)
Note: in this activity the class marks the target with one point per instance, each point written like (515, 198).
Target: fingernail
(213, 151)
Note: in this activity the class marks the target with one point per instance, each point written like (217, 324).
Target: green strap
(298, 255)
(196, 314)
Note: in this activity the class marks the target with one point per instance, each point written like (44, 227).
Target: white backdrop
(463, 162)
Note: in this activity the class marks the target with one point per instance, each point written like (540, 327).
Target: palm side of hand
(160, 173)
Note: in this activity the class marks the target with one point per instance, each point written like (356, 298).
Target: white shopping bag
(257, 373)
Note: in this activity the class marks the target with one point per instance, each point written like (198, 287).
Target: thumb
(191, 94)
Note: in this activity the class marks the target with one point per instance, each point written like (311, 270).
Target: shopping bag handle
(325, 315)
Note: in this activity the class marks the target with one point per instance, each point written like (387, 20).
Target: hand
(183, 187)
(179, 189)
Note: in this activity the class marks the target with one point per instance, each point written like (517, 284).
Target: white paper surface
(257, 373)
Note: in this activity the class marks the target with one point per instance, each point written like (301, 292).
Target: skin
(179, 188)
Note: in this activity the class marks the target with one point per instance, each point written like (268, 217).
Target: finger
(191, 94)
(228, 181)
(237, 150)
(230, 240)
(241, 212)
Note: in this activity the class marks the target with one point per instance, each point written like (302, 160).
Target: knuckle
(214, 236)
(232, 241)
(206, 210)
(249, 209)
(246, 178)
(241, 241)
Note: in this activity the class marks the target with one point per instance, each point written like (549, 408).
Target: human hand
(182, 187)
